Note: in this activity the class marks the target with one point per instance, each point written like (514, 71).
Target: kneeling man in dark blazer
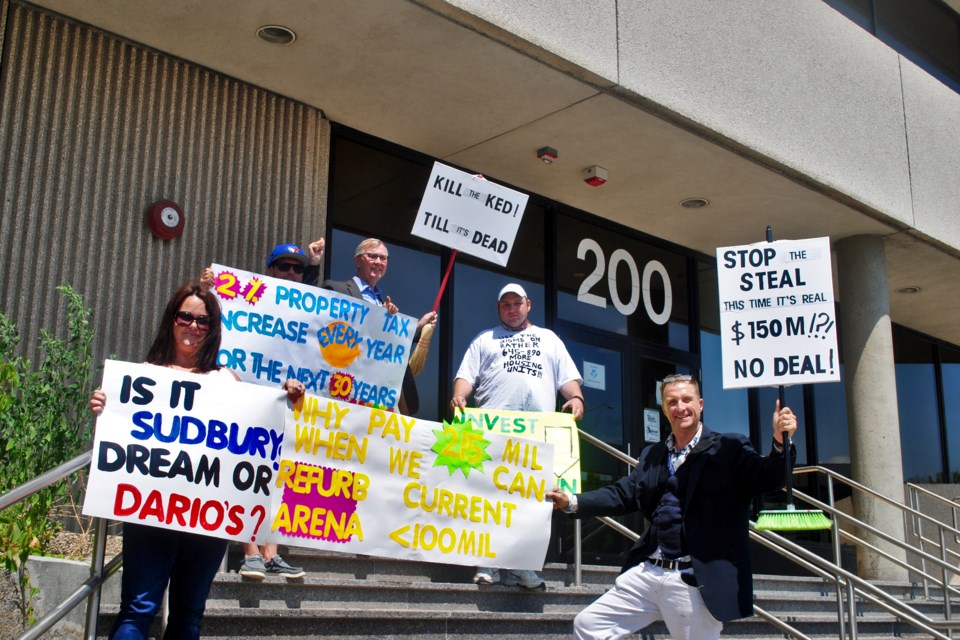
(691, 567)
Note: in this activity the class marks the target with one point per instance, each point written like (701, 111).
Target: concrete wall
(93, 130)
(55, 579)
(795, 82)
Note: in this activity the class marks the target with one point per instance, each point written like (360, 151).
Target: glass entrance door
(622, 409)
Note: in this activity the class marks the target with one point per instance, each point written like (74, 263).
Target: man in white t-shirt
(517, 367)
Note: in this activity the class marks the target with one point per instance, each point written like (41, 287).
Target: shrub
(44, 421)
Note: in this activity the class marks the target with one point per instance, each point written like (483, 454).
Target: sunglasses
(283, 267)
(185, 319)
(377, 257)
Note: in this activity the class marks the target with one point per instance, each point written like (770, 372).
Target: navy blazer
(717, 482)
(408, 391)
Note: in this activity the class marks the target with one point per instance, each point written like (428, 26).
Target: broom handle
(786, 452)
(443, 283)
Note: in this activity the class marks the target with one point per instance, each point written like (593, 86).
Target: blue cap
(288, 251)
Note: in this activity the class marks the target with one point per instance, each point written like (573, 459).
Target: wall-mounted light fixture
(547, 155)
(595, 175)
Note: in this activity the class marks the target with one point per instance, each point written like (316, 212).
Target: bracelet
(580, 398)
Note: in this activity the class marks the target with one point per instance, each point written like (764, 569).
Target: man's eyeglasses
(185, 319)
(377, 257)
(283, 267)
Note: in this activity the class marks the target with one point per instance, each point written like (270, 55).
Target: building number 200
(639, 285)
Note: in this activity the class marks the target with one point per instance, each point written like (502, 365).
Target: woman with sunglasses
(187, 339)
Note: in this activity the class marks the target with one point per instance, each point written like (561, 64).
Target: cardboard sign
(558, 429)
(338, 346)
(470, 214)
(777, 316)
(363, 480)
(183, 451)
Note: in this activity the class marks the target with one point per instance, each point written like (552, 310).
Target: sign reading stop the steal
(470, 214)
(777, 316)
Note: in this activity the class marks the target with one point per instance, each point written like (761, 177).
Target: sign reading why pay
(362, 480)
(777, 317)
(470, 214)
(183, 451)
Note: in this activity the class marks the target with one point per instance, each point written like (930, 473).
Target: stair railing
(99, 572)
(914, 494)
(849, 586)
(941, 561)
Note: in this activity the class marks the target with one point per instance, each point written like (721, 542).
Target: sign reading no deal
(777, 317)
(470, 214)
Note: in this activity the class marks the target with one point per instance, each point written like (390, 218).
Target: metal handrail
(918, 516)
(848, 586)
(90, 589)
(862, 588)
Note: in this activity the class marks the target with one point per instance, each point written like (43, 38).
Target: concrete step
(349, 597)
(392, 624)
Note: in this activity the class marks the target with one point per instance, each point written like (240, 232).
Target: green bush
(45, 420)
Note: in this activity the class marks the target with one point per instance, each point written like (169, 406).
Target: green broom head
(792, 519)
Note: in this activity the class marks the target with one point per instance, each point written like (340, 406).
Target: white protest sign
(777, 317)
(470, 214)
(183, 451)
(338, 346)
(361, 480)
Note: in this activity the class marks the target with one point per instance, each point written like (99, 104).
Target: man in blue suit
(691, 567)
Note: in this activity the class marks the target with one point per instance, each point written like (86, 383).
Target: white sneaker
(523, 578)
(486, 575)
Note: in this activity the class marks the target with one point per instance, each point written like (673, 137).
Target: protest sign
(183, 451)
(470, 214)
(362, 480)
(338, 346)
(558, 429)
(777, 317)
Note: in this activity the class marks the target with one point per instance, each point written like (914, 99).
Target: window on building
(727, 411)
(950, 370)
(830, 415)
(918, 407)
(927, 32)
(793, 397)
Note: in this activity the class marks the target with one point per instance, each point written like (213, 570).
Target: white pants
(644, 594)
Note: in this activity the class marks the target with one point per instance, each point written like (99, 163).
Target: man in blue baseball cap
(287, 262)
(290, 262)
